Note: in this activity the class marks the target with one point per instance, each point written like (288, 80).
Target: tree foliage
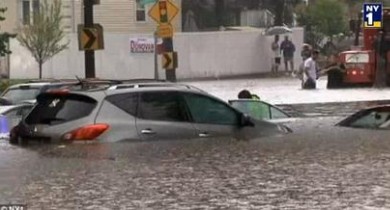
(4, 37)
(323, 19)
(44, 38)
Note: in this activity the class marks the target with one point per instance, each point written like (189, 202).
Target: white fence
(201, 55)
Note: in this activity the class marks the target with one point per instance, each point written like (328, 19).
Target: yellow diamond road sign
(158, 10)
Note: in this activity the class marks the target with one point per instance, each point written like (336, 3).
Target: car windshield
(18, 95)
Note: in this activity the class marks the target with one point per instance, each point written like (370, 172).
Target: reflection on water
(319, 166)
(330, 168)
(328, 109)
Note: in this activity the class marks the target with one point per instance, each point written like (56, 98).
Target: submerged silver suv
(143, 111)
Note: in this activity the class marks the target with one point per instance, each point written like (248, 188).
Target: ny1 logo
(372, 15)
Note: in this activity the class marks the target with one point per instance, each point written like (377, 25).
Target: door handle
(147, 131)
(204, 135)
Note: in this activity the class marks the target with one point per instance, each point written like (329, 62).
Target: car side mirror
(245, 120)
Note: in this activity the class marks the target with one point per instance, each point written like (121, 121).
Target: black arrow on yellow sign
(169, 60)
(91, 38)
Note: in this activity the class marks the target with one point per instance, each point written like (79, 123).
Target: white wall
(201, 55)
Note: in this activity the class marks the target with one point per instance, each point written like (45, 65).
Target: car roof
(100, 92)
(40, 84)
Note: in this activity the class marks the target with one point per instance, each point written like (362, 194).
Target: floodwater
(318, 167)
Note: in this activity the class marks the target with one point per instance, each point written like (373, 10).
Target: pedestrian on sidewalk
(288, 49)
(276, 51)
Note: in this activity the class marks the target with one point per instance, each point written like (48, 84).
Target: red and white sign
(142, 45)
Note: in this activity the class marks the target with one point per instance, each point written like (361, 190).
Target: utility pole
(89, 54)
(155, 37)
(170, 73)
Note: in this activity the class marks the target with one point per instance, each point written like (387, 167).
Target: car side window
(373, 119)
(206, 110)
(24, 111)
(12, 113)
(277, 114)
(127, 102)
(255, 109)
(162, 106)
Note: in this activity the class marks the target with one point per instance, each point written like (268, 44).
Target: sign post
(163, 12)
(90, 38)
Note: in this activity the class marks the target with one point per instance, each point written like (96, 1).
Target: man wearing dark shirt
(288, 49)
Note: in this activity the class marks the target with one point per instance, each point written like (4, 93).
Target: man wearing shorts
(276, 49)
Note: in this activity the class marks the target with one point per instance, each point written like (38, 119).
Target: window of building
(140, 11)
(29, 8)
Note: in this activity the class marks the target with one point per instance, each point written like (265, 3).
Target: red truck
(361, 64)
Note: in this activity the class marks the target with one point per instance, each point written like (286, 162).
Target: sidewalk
(287, 90)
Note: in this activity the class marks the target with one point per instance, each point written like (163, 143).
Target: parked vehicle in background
(361, 64)
(10, 116)
(136, 111)
(27, 92)
(377, 117)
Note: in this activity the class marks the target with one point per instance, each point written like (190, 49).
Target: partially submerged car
(140, 111)
(377, 117)
(27, 92)
(10, 116)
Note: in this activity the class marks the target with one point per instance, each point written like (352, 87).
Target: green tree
(324, 18)
(4, 37)
(44, 38)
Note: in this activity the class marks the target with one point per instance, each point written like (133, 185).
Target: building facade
(116, 16)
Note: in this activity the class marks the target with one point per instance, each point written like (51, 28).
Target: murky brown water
(318, 167)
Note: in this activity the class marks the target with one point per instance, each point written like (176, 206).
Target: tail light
(89, 132)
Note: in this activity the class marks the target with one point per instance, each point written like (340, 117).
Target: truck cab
(361, 63)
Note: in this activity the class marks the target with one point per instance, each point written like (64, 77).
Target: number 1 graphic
(370, 21)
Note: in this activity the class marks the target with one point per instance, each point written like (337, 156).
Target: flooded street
(296, 172)
(317, 167)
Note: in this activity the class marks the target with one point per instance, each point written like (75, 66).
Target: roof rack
(43, 80)
(51, 80)
(93, 83)
(151, 84)
(111, 84)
